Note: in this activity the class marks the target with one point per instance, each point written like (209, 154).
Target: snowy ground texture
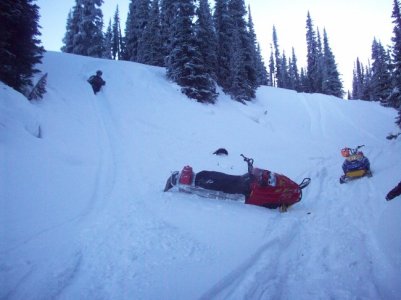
(83, 214)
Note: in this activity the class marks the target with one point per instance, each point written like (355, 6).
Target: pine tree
(284, 77)
(394, 98)
(69, 35)
(89, 40)
(381, 80)
(242, 67)
(293, 73)
(20, 48)
(116, 36)
(354, 93)
(277, 60)
(206, 36)
(320, 63)
(167, 13)
(272, 67)
(108, 42)
(303, 81)
(358, 81)
(222, 24)
(261, 74)
(72, 28)
(313, 58)
(185, 65)
(151, 50)
(331, 84)
(367, 83)
(138, 16)
(238, 85)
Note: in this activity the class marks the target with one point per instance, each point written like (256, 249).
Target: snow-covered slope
(83, 215)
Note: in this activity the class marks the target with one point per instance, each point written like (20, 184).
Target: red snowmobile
(258, 186)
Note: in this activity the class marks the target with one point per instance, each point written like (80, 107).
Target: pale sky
(351, 26)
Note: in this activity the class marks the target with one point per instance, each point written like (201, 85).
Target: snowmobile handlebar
(354, 150)
(249, 161)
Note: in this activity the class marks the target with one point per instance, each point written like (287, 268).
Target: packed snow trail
(85, 216)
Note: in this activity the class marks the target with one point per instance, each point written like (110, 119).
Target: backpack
(91, 79)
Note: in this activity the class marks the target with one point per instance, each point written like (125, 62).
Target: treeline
(197, 48)
(200, 48)
(380, 79)
(321, 74)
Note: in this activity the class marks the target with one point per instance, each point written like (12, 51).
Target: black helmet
(99, 73)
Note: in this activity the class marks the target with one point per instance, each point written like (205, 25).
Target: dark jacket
(394, 192)
(96, 82)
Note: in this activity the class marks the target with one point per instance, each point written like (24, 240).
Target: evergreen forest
(201, 47)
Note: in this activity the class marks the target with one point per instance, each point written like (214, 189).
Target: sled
(257, 187)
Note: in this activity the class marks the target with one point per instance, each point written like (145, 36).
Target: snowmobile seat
(217, 181)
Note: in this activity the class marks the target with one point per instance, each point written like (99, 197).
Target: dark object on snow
(96, 81)
(392, 136)
(258, 187)
(356, 164)
(394, 192)
(221, 151)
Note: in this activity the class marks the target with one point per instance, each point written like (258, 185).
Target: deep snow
(83, 215)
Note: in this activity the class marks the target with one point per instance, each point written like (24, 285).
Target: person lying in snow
(96, 81)
(394, 192)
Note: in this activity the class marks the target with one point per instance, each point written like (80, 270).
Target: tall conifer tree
(72, 28)
(206, 36)
(261, 74)
(303, 81)
(116, 36)
(312, 75)
(69, 36)
(108, 42)
(367, 83)
(284, 77)
(20, 48)
(222, 23)
(185, 64)
(381, 80)
(294, 74)
(242, 67)
(272, 67)
(331, 84)
(89, 40)
(277, 60)
(167, 13)
(320, 63)
(151, 50)
(358, 81)
(137, 19)
(394, 99)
